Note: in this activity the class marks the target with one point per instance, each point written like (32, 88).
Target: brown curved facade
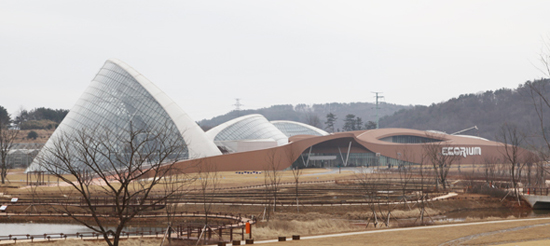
(377, 145)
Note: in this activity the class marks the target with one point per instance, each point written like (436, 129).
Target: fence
(180, 231)
(535, 191)
(83, 235)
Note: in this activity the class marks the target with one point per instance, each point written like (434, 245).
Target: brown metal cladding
(362, 141)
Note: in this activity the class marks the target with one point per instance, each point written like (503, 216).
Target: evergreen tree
(4, 117)
(358, 123)
(370, 125)
(329, 124)
(349, 123)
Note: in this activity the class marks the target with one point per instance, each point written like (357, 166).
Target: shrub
(32, 134)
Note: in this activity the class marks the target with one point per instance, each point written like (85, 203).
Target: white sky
(204, 54)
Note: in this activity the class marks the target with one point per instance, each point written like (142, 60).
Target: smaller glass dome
(292, 128)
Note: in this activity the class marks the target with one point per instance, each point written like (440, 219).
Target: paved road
(419, 228)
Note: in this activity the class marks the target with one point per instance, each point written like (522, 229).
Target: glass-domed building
(246, 133)
(120, 98)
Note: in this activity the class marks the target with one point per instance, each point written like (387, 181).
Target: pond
(39, 228)
(45, 228)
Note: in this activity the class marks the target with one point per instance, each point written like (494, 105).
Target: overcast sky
(204, 54)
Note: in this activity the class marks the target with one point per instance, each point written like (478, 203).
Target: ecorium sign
(463, 151)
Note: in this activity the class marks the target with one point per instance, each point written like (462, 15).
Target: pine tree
(329, 124)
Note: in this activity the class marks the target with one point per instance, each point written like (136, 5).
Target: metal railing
(535, 191)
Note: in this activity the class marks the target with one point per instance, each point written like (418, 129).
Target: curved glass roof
(117, 99)
(249, 127)
(292, 128)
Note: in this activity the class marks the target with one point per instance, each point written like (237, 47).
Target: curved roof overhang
(369, 140)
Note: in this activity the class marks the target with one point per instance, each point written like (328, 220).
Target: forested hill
(311, 114)
(487, 110)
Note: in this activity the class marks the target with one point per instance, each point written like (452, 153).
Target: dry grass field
(43, 136)
(18, 178)
(319, 220)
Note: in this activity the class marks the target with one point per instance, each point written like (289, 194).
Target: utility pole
(237, 104)
(377, 118)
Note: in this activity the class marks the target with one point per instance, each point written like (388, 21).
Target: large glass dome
(119, 98)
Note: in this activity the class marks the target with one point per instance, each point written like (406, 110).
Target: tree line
(311, 114)
(40, 118)
(351, 123)
(486, 110)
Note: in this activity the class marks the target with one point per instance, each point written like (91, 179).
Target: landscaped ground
(316, 220)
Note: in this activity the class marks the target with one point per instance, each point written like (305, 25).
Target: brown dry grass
(396, 214)
(232, 179)
(275, 228)
(43, 136)
(17, 177)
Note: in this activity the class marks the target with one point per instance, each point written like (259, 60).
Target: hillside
(487, 110)
(311, 114)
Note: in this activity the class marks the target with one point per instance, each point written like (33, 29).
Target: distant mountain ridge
(311, 114)
(487, 110)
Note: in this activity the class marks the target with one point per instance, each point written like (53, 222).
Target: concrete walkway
(457, 226)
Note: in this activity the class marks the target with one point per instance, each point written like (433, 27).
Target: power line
(377, 118)
(237, 104)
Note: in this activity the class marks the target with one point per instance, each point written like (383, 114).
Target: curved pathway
(419, 228)
(460, 241)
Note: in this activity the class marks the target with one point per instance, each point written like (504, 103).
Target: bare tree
(173, 184)
(296, 169)
(126, 168)
(490, 165)
(377, 187)
(540, 98)
(368, 179)
(405, 171)
(297, 173)
(313, 119)
(422, 195)
(209, 180)
(441, 160)
(7, 137)
(273, 174)
(385, 208)
(511, 139)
